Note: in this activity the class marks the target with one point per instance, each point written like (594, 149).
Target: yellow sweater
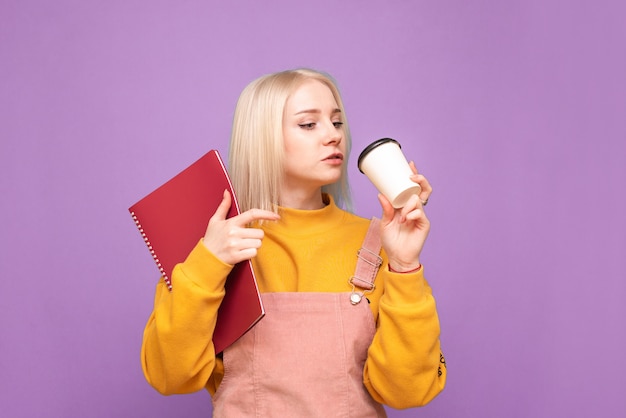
(306, 251)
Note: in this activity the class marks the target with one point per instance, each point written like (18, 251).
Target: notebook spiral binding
(167, 280)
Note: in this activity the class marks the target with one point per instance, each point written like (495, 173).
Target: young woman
(339, 338)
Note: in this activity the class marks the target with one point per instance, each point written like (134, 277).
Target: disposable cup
(385, 165)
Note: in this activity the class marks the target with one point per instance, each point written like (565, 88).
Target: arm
(177, 353)
(405, 366)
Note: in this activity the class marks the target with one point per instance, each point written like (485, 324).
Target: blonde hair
(256, 146)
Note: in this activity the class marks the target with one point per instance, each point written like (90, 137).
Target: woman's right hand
(231, 240)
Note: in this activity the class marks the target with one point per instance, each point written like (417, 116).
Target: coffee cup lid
(371, 146)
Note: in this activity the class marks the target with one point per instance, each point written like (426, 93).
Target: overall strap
(368, 263)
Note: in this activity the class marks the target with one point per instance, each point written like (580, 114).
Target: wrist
(405, 270)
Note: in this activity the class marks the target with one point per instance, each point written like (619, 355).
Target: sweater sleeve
(177, 353)
(405, 366)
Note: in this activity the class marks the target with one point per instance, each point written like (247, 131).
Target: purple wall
(515, 110)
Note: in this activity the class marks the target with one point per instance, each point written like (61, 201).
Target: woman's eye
(338, 124)
(307, 125)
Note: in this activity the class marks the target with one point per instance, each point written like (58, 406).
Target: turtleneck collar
(299, 222)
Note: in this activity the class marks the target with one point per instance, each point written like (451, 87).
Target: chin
(332, 181)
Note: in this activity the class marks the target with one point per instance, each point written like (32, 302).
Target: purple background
(515, 111)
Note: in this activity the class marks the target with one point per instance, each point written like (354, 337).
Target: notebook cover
(174, 217)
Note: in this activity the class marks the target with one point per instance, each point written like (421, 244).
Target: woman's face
(314, 138)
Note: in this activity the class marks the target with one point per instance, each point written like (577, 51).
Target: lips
(335, 156)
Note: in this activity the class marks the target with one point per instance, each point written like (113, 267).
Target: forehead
(311, 94)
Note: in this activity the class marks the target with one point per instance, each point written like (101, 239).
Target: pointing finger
(253, 215)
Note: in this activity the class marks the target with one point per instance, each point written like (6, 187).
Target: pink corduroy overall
(305, 358)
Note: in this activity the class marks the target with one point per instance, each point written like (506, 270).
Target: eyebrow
(317, 111)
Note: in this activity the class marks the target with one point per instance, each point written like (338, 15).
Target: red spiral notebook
(174, 217)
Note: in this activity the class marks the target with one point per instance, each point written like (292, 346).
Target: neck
(303, 200)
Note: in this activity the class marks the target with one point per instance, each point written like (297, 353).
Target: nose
(334, 135)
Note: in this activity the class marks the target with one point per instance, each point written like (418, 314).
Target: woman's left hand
(404, 230)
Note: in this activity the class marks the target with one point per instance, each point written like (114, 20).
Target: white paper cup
(385, 165)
